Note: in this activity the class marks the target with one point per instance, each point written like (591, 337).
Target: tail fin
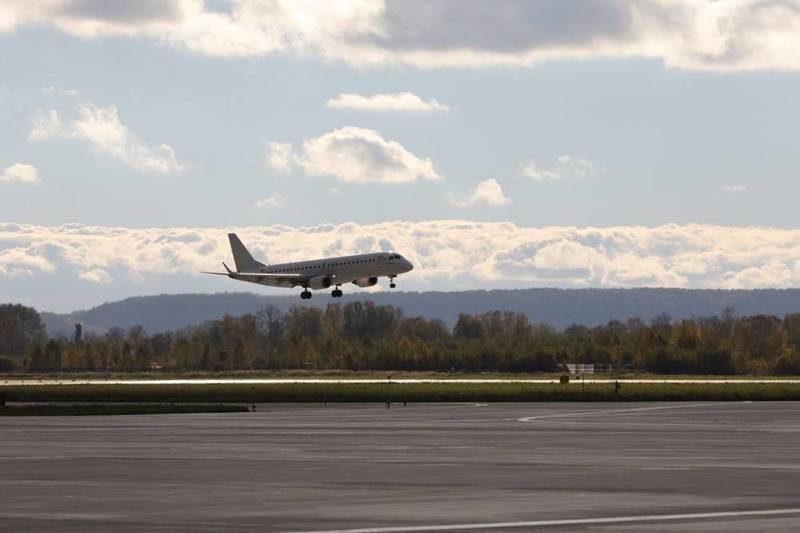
(241, 257)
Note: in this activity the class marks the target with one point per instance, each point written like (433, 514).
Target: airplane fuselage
(340, 270)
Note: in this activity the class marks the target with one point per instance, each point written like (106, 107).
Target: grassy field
(120, 409)
(381, 392)
(370, 374)
(278, 374)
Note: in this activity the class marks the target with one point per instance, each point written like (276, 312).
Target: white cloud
(566, 166)
(531, 170)
(734, 188)
(276, 200)
(279, 157)
(488, 192)
(102, 128)
(359, 155)
(447, 254)
(45, 126)
(20, 173)
(96, 275)
(385, 102)
(16, 261)
(733, 35)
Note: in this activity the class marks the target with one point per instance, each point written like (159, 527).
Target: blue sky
(604, 114)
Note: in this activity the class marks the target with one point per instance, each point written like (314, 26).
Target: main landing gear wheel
(305, 295)
(336, 293)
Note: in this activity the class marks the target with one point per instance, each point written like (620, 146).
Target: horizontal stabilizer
(228, 272)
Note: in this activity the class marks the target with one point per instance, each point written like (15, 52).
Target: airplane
(362, 270)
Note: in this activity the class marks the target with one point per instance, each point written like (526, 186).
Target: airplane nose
(408, 266)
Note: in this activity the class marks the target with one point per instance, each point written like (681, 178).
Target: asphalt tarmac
(425, 467)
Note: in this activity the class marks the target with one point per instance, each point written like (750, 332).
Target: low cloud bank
(448, 254)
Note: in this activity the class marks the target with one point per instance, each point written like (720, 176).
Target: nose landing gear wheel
(392, 284)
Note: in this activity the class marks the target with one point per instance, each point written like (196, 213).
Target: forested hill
(558, 307)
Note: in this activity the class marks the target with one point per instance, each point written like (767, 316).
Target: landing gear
(305, 295)
(392, 284)
(337, 292)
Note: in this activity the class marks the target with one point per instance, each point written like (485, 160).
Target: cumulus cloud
(16, 261)
(488, 192)
(45, 126)
(102, 128)
(447, 254)
(735, 35)
(276, 200)
(531, 169)
(356, 155)
(279, 157)
(96, 275)
(566, 166)
(385, 102)
(20, 173)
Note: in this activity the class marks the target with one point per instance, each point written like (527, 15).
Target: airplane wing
(254, 276)
(257, 276)
(261, 275)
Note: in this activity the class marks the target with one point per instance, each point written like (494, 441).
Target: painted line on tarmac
(569, 521)
(616, 411)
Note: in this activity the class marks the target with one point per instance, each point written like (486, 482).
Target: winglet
(228, 270)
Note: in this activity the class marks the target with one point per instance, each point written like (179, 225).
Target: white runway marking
(568, 521)
(614, 411)
(361, 381)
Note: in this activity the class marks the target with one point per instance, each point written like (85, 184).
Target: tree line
(363, 336)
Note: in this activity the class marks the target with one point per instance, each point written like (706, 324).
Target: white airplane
(361, 270)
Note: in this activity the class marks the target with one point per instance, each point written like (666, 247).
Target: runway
(426, 467)
(364, 381)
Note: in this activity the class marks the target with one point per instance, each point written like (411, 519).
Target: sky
(602, 143)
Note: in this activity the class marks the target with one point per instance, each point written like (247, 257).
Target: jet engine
(320, 282)
(366, 282)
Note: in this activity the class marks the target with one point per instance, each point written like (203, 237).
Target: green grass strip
(381, 392)
(119, 409)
